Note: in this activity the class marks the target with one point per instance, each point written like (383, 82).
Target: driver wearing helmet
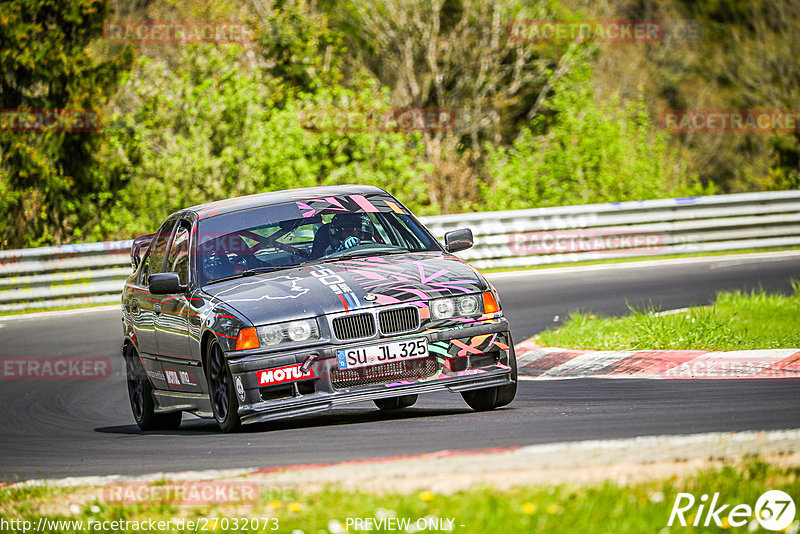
(349, 230)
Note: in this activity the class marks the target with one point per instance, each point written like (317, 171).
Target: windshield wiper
(351, 255)
(365, 253)
(224, 278)
(251, 272)
(266, 269)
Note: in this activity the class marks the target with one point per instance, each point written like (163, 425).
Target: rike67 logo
(774, 510)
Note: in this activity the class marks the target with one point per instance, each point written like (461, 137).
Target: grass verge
(606, 507)
(735, 321)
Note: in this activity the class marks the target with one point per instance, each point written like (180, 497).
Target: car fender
(224, 323)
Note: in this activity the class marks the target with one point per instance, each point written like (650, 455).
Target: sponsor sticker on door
(172, 377)
(187, 378)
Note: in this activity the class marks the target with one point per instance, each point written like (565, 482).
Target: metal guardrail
(649, 228)
(94, 273)
(67, 275)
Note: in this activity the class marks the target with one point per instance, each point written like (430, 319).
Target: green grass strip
(600, 508)
(735, 321)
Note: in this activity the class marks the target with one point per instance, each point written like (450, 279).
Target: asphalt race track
(55, 429)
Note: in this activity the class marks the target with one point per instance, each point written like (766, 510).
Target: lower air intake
(383, 373)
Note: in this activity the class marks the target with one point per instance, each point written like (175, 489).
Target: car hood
(346, 285)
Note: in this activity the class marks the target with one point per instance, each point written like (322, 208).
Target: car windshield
(305, 231)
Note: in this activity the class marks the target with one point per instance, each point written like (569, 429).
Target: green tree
(582, 152)
(51, 182)
(459, 55)
(302, 54)
(211, 130)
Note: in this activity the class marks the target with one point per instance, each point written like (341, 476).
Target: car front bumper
(474, 356)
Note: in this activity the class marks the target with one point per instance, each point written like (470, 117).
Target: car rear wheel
(224, 403)
(482, 400)
(396, 403)
(140, 393)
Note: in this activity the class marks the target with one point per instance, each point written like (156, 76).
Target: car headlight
(270, 335)
(300, 330)
(443, 308)
(289, 332)
(464, 306)
(468, 306)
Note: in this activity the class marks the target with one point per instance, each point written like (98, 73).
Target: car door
(142, 306)
(172, 322)
(142, 303)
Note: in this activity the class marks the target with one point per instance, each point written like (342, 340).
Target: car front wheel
(481, 400)
(396, 403)
(224, 403)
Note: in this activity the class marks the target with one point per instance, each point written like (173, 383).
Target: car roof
(230, 205)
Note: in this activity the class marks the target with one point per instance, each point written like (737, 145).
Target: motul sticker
(280, 375)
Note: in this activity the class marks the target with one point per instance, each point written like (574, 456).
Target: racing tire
(140, 393)
(485, 399)
(221, 391)
(396, 403)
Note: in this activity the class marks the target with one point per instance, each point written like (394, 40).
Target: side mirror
(456, 240)
(165, 284)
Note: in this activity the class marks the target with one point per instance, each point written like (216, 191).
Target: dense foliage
(533, 123)
(213, 131)
(52, 184)
(587, 153)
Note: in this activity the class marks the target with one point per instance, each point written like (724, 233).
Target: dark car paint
(169, 332)
(262, 297)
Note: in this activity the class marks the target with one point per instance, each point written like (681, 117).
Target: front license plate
(384, 353)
